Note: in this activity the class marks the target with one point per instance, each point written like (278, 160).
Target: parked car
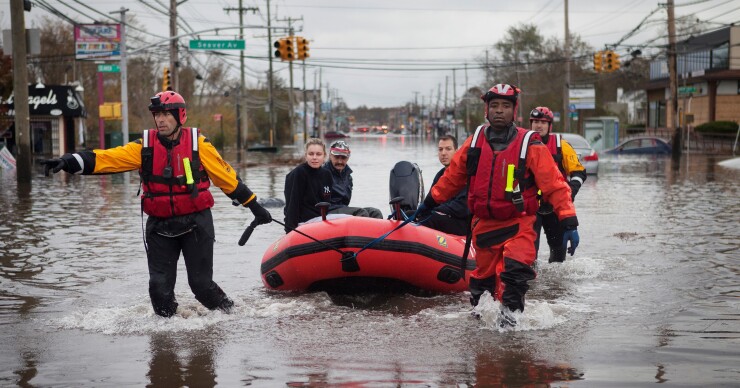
(586, 155)
(331, 135)
(641, 146)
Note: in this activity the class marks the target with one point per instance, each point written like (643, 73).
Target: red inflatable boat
(412, 258)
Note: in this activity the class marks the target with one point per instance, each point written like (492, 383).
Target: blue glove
(572, 236)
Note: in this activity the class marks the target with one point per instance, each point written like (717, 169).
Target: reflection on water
(181, 362)
(650, 296)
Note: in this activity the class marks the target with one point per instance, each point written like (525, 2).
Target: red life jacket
(166, 193)
(555, 146)
(487, 170)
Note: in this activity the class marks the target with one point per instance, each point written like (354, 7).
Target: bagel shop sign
(49, 101)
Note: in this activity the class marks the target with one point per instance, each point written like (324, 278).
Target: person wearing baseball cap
(341, 189)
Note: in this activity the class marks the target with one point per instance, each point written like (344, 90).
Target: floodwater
(651, 296)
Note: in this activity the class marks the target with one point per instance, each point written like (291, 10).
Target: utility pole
(316, 108)
(488, 73)
(467, 114)
(20, 92)
(291, 111)
(269, 76)
(305, 105)
(320, 121)
(416, 103)
(124, 76)
(447, 81)
(439, 97)
(454, 102)
(174, 62)
(566, 86)
(242, 91)
(673, 80)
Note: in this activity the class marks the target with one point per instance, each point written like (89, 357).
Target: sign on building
(582, 98)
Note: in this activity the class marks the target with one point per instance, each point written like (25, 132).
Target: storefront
(57, 122)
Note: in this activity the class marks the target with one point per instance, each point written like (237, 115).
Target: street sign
(572, 108)
(686, 90)
(109, 69)
(217, 44)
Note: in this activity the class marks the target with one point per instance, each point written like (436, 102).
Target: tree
(535, 64)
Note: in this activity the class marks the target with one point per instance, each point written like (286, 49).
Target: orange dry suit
(503, 220)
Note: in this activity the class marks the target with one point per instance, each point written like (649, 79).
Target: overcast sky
(379, 53)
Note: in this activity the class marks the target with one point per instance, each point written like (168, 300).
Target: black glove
(574, 187)
(428, 203)
(261, 215)
(55, 165)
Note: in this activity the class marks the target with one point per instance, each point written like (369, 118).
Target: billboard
(98, 41)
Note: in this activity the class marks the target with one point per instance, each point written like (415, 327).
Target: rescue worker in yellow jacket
(566, 158)
(505, 167)
(176, 165)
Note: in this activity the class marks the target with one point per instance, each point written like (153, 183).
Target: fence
(718, 143)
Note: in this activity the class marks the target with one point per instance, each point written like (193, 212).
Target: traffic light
(301, 44)
(284, 48)
(612, 61)
(598, 61)
(166, 80)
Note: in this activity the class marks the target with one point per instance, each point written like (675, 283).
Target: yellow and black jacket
(129, 157)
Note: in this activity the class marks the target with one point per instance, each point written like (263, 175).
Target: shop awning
(51, 100)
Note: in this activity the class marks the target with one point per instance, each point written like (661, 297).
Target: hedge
(729, 127)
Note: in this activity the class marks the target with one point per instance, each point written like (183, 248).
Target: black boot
(507, 319)
(226, 305)
(557, 255)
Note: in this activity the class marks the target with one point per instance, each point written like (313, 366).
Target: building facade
(708, 70)
(56, 115)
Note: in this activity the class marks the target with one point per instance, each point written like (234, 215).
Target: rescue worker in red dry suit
(566, 158)
(176, 165)
(505, 166)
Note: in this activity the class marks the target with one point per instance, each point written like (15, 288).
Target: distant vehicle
(641, 146)
(335, 135)
(586, 154)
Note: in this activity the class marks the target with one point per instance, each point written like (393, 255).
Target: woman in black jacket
(307, 185)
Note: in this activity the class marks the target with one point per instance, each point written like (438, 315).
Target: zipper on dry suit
(169, 164)
(490, 183)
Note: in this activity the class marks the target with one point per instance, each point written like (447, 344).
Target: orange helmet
(169, 101)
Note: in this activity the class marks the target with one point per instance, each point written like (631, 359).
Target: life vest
(166, 192)
(555, 146)
(487, 170)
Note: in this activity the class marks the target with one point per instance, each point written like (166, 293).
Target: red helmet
(502, 91)
(541, 113)
(169, 101)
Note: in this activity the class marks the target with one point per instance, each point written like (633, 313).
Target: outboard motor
(406, 181)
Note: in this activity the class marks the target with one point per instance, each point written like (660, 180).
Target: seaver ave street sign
(217, 44)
